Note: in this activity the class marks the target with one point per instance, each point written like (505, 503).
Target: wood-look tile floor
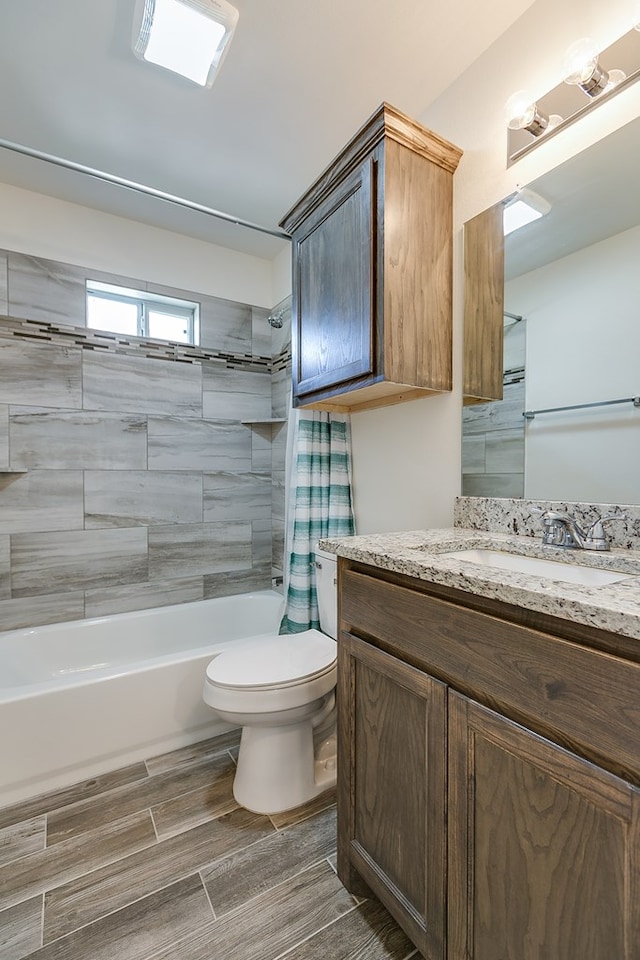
(157, 860)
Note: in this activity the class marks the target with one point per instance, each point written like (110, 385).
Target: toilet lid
(274, 661)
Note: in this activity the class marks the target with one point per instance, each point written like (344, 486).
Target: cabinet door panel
(334, 263)
(543, 847)
(391, 816)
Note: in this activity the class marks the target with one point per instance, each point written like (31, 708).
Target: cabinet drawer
(584, 699)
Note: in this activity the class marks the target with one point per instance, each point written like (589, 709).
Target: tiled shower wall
(127, 479)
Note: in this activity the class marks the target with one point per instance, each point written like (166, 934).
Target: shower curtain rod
(137, 187)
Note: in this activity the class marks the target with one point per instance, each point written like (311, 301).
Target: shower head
(276, 319)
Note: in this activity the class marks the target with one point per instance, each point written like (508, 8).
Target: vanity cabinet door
(391, 797)
(544, 847)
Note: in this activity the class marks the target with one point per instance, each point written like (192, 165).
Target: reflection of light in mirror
(525, 207)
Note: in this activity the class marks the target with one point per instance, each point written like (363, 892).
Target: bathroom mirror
(574, 277)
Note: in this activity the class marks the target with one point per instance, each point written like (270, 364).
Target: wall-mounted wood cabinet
(489, 772)
(372, 270)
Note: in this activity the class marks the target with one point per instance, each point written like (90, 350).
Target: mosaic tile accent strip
(41, 330)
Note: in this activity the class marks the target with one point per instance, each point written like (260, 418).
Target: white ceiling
(299, 79)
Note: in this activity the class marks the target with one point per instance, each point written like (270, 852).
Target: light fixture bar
(137, 187)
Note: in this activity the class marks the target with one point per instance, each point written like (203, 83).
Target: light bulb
(521, 113)
(581, 67)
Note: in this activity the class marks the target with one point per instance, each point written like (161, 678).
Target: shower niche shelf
(267, 420)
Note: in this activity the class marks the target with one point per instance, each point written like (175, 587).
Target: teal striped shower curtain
(322, 507)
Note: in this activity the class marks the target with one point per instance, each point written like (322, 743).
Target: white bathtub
(78, 699)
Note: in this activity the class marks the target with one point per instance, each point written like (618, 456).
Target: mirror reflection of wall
(575, 276)
(493, 432)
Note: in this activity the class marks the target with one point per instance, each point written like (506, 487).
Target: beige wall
(407, 458)
(42, 226)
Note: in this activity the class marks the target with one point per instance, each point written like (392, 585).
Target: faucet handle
(596, 530)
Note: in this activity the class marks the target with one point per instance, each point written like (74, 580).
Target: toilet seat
(274, 662)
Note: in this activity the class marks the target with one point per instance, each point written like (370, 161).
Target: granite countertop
(418, 553)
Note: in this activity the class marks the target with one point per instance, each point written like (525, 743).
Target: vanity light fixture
(591, 77)
(521, 208)
(582, 69)
(189, 37)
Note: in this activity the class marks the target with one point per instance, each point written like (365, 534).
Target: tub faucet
(563, 530)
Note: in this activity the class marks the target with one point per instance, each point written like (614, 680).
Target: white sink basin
(552, 569)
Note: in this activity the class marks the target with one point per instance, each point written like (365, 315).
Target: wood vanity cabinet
(489, 763)
(372, 270)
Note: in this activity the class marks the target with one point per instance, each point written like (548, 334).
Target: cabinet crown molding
(386, 123)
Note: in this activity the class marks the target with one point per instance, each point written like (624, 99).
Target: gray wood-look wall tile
(5, 572)
(56, 799)
(261, 542)
(188, 550)
(51, 867)
(41, 500)
(279, 448)
(126, 498)
(473, 453)
(260, 332)
(505, 451)
(4, 289)
(194, 752)
(237, 581)
(45, 375)
(281, 336)
(281, 392)
(141, 385)
(111, 888)
(225, 325)
(198, 806)
(179, 444)
(22, 838)
(44, 563)
(261, 446)
(35, 611)
(104, 601)
(235, 394)
(278, 491)
(278, 544)
(150, 926)
(493, 485)
(367, 933)
(86, 815)
(236, 496)
(4, 435)
(278, 920)
(56, 439)
(258, 868)
(21, 929)
(46, 290)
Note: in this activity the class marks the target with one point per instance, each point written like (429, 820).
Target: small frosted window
(136, 313)
(116, 316)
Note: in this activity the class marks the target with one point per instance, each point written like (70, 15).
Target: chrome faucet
(563, 530)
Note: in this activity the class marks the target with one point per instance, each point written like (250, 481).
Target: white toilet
(281, 691)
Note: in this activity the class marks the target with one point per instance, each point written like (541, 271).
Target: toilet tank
(327, 591)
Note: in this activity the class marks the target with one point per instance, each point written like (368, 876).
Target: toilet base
(278, 768)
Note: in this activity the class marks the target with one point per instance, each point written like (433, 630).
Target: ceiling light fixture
(522, 208)
(189, 37)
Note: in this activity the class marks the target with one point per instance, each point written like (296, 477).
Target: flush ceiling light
(189, 37)
(524, 207)
(582, 69)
